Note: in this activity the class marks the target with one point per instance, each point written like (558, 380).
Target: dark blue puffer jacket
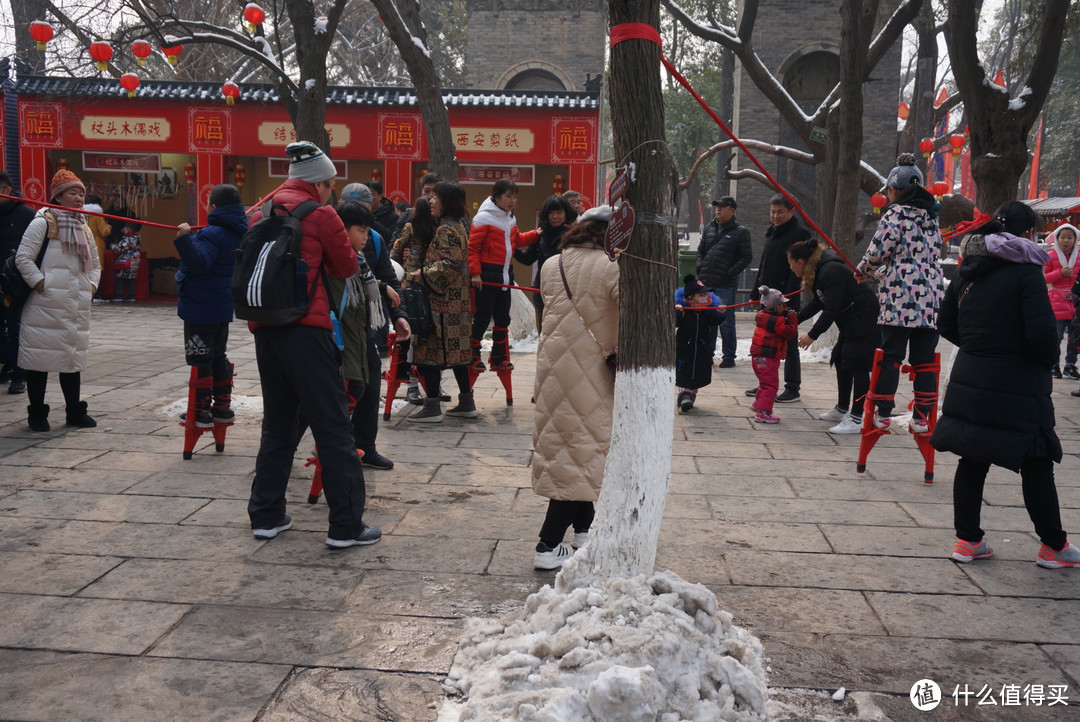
(206, 267)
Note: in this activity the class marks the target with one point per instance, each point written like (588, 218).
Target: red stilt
(870, 433)
(191, 431)
(391, 374)
(316, 479)
(504, 378)
(924, 398)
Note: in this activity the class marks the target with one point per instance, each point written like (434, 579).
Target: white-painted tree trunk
(631, 506)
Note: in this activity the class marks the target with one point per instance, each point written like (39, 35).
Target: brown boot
(430, 414)
(466, 407)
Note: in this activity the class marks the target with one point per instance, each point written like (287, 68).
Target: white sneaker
(579, 540)
(882, 422)
(833, 414)
(548, 558)
(847, 425)
(918, 426)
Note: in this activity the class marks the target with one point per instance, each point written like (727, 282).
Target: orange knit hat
(63, 180)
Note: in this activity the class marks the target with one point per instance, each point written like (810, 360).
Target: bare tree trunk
(311, 50)
(920, 122)
(402, 21)
(638, 467)
(24, 12)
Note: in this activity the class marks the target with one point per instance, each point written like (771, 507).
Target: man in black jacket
(774, 272)
(15, 216)
(383, 210)
(724, 251)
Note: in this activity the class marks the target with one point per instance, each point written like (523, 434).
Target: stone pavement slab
(133, 589)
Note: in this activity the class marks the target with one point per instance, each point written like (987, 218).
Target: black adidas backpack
(269, 283)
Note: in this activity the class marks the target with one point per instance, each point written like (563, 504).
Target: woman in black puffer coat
(853, 307)
(556, 216)
(998, 408)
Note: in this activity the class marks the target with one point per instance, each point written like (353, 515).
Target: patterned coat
(772, 332)
(445, 274)
(128, 248)
(903, 258)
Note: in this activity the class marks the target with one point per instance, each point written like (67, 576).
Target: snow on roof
(335, 95)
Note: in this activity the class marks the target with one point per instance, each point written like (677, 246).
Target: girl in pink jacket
(1060, 274)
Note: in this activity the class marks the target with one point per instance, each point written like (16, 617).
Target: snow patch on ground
(806, 356)
(655, 648)
(240, 405)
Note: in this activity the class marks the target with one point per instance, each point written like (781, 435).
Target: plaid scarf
(72, 232)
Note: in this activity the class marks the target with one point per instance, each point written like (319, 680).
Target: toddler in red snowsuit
(774, 325)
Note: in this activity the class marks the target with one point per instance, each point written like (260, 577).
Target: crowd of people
(321, 367)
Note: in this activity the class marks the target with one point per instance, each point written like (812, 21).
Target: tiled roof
(335, 95)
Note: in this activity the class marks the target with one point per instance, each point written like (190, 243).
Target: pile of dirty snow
(615, 649)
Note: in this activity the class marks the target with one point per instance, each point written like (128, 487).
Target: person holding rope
(998, 410)
(903, 257)
(853, 307)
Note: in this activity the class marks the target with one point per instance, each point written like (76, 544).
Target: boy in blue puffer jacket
(205, 300)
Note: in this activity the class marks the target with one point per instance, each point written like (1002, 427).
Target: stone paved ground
(132, 589)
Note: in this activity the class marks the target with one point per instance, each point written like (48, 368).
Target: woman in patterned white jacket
(903, 257)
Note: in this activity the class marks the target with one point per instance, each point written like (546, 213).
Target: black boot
(77, 416)
(466, 407)
(37, 417)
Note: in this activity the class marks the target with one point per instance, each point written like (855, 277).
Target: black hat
(727, 201)
(691, 286)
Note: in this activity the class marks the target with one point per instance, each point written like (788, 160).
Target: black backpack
(269, 283)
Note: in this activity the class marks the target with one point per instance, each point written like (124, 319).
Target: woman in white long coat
(56, 317)
(575, 387)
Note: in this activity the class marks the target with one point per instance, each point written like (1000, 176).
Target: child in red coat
(774, 325)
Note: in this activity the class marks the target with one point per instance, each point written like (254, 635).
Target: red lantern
(878, 201)
(101, 51)
(239, 175)
(926, 145)
(172, 54)
(557, 185)
(376, 174)
(129, 82)
(189, 173)
(63, 164)
(957, 140)
(141, 50)
(940, 188)
(254, 15)
(231, 91)
(42, 32)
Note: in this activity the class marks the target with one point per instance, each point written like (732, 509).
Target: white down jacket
(55, 333)
(574, 387)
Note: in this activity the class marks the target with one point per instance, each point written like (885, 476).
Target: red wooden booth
(166, 148)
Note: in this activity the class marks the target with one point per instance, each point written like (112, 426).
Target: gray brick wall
(564, 37)
(786, 29)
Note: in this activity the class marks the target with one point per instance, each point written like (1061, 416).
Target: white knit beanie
(308, 163)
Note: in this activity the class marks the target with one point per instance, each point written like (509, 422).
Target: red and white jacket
(492, 242)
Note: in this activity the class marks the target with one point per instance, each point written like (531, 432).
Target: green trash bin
(687, 261)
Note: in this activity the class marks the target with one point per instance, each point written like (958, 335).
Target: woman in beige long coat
(575, 387)
(55, 334)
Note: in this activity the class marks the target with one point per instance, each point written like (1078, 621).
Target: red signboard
(573, 140)
(209, 129)
(619, 230)
(523, 175)
(40, 124)
(122, 162)
(400, 136)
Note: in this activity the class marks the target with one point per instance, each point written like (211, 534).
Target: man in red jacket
(300, 371)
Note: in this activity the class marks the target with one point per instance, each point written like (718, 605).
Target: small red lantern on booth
(129, 82)
(926, 145)
(172, 54)
(141, 50)
(189, 174)
(957, 140)
(239, 175)
(878, 201)
(558, 185)
(231, 91)
(63, 164)
(940, 188)
(376, 174)
(254, 15)
(101, 52)
(42, 32)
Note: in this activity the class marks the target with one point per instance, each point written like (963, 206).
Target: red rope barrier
(510, 285)
(141, 222)
(643, 31)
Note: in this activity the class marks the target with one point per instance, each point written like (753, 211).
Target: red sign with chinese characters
(40, 124)
(573, 139)
(523, 175)
(123, 162)
(209, 129)
(400, 136)
(619, 230)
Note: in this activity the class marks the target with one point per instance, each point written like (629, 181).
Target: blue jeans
(1070, 347)
(728, 340)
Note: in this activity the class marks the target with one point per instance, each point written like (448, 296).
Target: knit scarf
(72, 232)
